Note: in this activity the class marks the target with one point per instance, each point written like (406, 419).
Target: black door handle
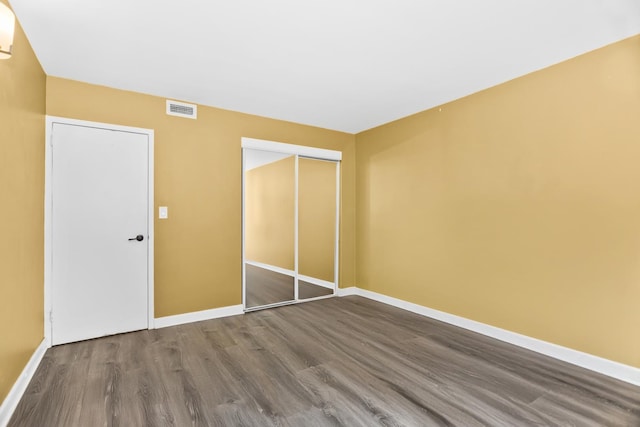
(139, 238)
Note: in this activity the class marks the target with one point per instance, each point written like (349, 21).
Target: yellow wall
(197, 175)
(316, 218)
(22, 106)
(270, 213)
(518, 206)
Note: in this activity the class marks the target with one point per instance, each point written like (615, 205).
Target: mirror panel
(316, 227)
(269, 203)
(265, 287)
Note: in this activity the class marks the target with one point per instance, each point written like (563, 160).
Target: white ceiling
(347, 65)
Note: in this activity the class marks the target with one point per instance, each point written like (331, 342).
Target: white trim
(347, 292)
(10, 402)
(242, 242)
(273, 305)
(301, 150)
(198, 316)
(303, 300)
(151, 232)
(50, 120)
(272, 268)
(607, 367)
(296, 229)
(314, 281)
(336, 246)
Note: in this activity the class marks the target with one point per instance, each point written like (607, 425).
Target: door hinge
(51, 316)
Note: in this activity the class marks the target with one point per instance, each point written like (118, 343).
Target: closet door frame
(297, 151)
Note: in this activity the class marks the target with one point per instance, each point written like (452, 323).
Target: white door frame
(297, 151)
(48, 170)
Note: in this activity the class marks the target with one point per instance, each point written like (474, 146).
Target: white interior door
(99, 190)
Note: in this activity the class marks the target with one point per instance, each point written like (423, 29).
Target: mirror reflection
(316, 227)
(269, 227)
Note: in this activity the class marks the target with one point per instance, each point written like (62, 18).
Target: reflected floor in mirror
(309, 290)
(268, 287)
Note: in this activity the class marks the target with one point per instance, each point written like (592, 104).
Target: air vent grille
(181, 109)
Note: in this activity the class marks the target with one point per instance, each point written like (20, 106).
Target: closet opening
(290, 223)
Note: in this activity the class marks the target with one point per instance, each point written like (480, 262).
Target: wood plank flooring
(334, 362)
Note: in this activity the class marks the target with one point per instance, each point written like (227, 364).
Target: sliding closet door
(316, 227)
(290, 223)
(269, 221)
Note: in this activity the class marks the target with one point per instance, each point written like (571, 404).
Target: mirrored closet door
(316, 227)
(269, 227)
(290, 223)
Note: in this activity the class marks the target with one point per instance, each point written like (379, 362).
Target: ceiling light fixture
(7, 27)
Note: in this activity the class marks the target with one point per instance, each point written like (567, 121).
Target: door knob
(139, 238)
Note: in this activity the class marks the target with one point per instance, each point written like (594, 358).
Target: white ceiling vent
(181, 109)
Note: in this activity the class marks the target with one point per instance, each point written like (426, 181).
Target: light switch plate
(163, 212)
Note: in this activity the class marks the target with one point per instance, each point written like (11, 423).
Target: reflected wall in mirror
(269, 209)
(316, 227)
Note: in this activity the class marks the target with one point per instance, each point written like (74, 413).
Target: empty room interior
(406, 213)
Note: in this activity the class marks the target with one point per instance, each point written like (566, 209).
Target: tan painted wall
(518, 206)
(316, 218)
(270, 213)
(22, 106)
(198, 170)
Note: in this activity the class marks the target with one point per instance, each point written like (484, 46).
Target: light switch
(163, 212)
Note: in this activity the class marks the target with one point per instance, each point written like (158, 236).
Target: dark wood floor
(266, 287)
(339, 361)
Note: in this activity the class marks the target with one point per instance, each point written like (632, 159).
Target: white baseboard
(607, 367)
(272, 268)
(15, 394)
(314, 281)
(309, 279)
(197, 316)
(345, 292)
